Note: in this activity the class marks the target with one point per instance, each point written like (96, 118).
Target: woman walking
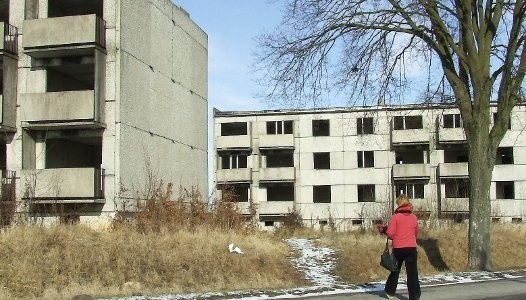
(403, 229)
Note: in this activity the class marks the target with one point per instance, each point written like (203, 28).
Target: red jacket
(403, 227)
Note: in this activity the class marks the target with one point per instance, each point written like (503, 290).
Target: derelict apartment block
(96, 94)
(348, 164)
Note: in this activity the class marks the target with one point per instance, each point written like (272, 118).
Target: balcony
(410, 137)
(243, 208)
(66, 185)
(454, 204)
(64, 36)
(451, 135)
(233, 142)
(411, 171)
(67, 109)
(453, 170)
(270, 141)
(233, 175)
(9, 42)
(275, 207)
(277, 174)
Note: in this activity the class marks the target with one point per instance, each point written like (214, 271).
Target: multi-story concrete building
(96, 95)
(348, 164)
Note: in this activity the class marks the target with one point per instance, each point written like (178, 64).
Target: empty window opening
(407, 122)
(280, 192)
(322, 160)
(321, 128)
(452, 121)
(71, 73)
(457, 188)
(413, 190)
(3, 157)
(411, 156)
(279, 158)
(321, 194)
(4, 11)
(366, 193)
(378, 222)
(269, 223)
(235, 192)
(279, 127)
(504, 156)
(495, 220)
(61, 8)
(495, 119)
(456, 154)
(505, 190)
(364, 126)
(70, 152)
(365, 159)
(357, 222)
(516, 220)
(233, 128)
(323, 222)
(233, 160)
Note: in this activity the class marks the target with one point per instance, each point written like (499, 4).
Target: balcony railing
(413, 171)
(76, 185)
(454, 204)
(68, 35)
(453, 170)
(9, 43)
(275, 207)
(234, 175)
(410, 137)
(276, 141)
(277, 174)
(233, 142)
(451, 135)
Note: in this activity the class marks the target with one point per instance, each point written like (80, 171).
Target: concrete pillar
(100, 85)
(28, 151)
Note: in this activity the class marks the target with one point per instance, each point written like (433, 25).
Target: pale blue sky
(231, 26)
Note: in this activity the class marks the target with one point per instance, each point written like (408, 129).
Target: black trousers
(409, 256)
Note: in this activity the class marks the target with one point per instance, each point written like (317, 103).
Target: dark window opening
(357, 222)
(366, 193)
(61, 8)
(516, 220)
(234, 128)
(3, 157)
(71, 73)
(407, 122)
(365, 126)
(322, 160)
(4, 12)
(323, 222)
(279, 127)
(413, 190)
(452, 121)
(321, 128)
(365, 159)
(505, 190)
(73, 152)
(280, 192)
(410, 157)
(504, 156)
(456, 154)
(280, 159)
(321, 194)
(457, 188)
(233, 160)
(235, 192)
(269, 223)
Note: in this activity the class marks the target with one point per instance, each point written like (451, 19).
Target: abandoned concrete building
(344, 166)
(97, 95)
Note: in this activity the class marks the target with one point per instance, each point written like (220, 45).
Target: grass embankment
(63, 261)
(439, 250)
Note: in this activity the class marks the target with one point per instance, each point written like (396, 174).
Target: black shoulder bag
(388, 260)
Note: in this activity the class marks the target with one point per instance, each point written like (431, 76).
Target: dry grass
(62, 261)
(439, 250)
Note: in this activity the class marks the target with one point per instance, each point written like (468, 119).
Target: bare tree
(471, 50)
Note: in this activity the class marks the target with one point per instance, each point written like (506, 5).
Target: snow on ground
(317, 263)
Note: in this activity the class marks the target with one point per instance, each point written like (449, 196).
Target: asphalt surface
(507, 289)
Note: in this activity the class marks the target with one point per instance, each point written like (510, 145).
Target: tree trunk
(481, 162)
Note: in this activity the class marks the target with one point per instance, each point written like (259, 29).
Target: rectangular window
(230, 160)
(452, 121)
(504, 156)
(456, 154)
(234, 128)
(407, 122)
(413, 190)
(505, 190)
(366, 193)
(322, 160)
(365, 159)
(321, 194)
(279, 127)
(235, 192)
(410, 156)
(280, 192)
(364, 126)
(279, 158)
(321, 128)
(457, 188)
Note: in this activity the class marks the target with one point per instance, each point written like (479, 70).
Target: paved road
(507, 289)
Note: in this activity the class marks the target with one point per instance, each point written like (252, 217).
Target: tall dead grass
(439, 250)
